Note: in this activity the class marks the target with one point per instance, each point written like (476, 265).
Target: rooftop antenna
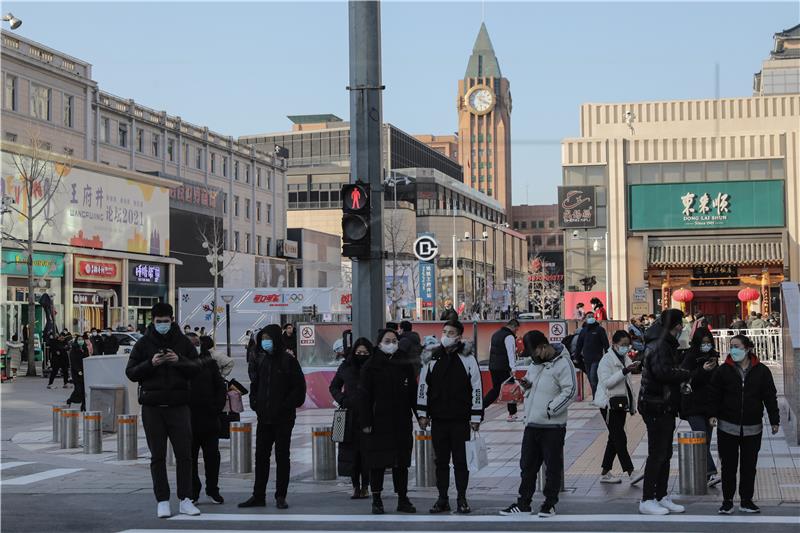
(483, 10)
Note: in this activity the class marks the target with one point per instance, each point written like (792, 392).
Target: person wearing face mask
(208, 395)
(450, 397)
(502, 362)
(344, 390)
(615, 400)
(701, 360)
(550, 386)
(592, 344)
(659, 402)
(163, 363)
(77, 353)
(97, 342)
(740, 391)
(110, 343)
(59, 359)
(277, 389)
(388, 391)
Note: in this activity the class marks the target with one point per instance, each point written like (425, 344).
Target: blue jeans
(701, 423)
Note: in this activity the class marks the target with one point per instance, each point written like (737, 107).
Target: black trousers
(617, 445)
(78, 392)
(498, 378)
(55, 366)
(660, 429)
(360, 474)
(449, 440)
(742, 452)
(175, 424)
(267, 435)
(209, 443)
(541, 445)
(399, 479)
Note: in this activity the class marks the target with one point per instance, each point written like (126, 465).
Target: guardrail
(768, 342)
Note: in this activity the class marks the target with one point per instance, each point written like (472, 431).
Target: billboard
(15, 263)
(577, 207)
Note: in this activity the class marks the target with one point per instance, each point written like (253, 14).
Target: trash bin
(692, 467)
(110, 401)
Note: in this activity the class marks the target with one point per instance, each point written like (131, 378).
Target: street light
(392, 182)
(455, 259)
(13, 21)
(227, 298)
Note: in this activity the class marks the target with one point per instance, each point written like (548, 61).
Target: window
(213, 163)
(269, 245)
(171, 149)
(225, 166)
(225, 239)
(269, 179)
(247, 243)
(11, 137)
(540, 224)
(155, 145)
(105, 129)
(40, 101)
(247, 173)
(69, 110)
(10, 92)
(258, 176)
(123, 135)
(236, 241)
(186, 154)
(524, 224)
(236, 170)
(516, 225)
(247, 208)
(551, 223)
(258, 211)
(139, 140)
(225, 203)
(269, 214)
(198, 160)
(236, 206)
(258, 245)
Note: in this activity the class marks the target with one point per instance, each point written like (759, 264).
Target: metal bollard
(127, 437)
(241, 447)
(424, 459)
(323, 453)
(69, 428)
(692, 467)
(92, 432)
(57, 421)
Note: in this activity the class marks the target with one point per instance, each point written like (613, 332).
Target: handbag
(340, 418)
(234, 402)
(511, 392)
(618, 403)
(477, 453)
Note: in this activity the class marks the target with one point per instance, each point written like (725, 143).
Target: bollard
(92, 432)
(323, 453)
(127, 437)
(692, 465)
(57, 421)
(241, 447)
(69, 428)
(424, 459)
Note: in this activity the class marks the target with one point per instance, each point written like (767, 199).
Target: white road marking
(41, 476)
(320, 531)
(14, 464)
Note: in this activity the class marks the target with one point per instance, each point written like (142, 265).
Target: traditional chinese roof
(483, 63)
(708, 254)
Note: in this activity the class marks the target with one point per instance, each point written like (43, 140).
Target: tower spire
(483, 61)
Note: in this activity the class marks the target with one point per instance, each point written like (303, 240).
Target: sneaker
(667, 503)
(463, 506)
(254, 501)
(65, 386)
(441, 506)
(404, 505)
(635, 477)
(515, 508)
(377, 504)
(547, 510)
(187, 507)
(726, 507)
(49, 386)
(216, 497)
(163, 509)
(609, 478)
(713, 480)
(511, 418)
(748, 507)
(280, 503)
(652, 507)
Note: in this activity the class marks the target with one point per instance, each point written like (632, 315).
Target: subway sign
(707, 205)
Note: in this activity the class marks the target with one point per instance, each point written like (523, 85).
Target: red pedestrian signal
(355, 220)
(355, 197)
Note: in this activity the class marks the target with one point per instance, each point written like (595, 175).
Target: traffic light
(355, 220)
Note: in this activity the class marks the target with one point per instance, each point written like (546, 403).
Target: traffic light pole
(366, 122)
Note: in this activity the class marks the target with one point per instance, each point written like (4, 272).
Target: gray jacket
(553, 388)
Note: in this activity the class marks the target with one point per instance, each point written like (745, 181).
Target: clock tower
(484, 123)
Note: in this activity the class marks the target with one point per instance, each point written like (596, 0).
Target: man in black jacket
(448, 313)
(163, 362)
(592, 346)
(59, 359)
(502, 361)
(277, 389)
(410, 344)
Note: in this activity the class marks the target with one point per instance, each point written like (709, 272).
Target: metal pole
(366, 127)
(692, 454)
(92, 432)
(241, 447)
(455, 262)
(323, 454)
(127, 437)
(228, 326)
(608, 281)
(424, 459)
(69, 428)
(57, 422)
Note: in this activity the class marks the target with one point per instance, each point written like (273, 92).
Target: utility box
(110, 402)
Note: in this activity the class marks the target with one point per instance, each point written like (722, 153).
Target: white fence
(768, 342)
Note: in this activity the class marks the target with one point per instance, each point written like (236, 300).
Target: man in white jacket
(550, 386)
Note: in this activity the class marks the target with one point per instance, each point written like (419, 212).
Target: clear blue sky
(240, 68)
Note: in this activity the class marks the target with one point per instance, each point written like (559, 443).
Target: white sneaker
(511, 418)
(667, 503)
(187, 507)
(163, 509)
(652, 507)
(609, 478)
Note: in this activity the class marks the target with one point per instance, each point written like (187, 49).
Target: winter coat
(592, 344)
(345, 391)
(449, 314)
(612, 381)
(277, 386)
(742, 402)
(208, 395)
(410, 344)
(600, 313)
(77, 354)
(553, 388)
(59, 353)
(168, 383)
(661, 376)
(224, 363)
(499, 358)
(388, 390)
(450, 387)
(110, 345)
(290, 342)
(696, 403)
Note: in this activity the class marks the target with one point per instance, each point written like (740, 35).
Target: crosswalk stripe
(14, 464)
(41, 476)
(382, 530)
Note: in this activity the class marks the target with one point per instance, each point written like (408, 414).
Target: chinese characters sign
(721, 204)
(147, 274)
(716, 271)
(198, 196)
(98, 269)
(576, 207)
(427, 286)
(15, 263)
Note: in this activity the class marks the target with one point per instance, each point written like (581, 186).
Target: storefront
(96, 292)
(147, 285)
(48, 270)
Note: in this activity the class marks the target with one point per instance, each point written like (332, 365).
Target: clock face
(481, 100)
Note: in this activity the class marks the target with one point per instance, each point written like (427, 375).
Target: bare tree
(38, 174)
(211, 239)
(546, 290)
(398, 242)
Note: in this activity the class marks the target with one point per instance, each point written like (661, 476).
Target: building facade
(780, 72)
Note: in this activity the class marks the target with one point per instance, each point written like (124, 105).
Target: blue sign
(427, 284)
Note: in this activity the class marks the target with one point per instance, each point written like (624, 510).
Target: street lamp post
(228, 298)
(456, 240)
(392, 182)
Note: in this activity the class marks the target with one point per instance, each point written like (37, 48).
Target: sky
(241, 68)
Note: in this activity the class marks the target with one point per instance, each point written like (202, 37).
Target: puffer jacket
(743, 402)
(553, 388)
(612, 381)
(661, 376)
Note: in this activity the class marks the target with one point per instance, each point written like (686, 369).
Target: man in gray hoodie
(550, 387)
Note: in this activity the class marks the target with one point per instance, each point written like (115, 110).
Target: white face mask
(448, 341)
(623, 350)
(389, 347)
(199, 349)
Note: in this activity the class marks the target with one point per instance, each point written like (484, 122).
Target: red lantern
(683, 295)
(748, 295)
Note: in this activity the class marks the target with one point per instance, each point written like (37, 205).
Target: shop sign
(640, 308)
(576, 207)
(147, 273)
(427, 287)
(717, 271)
(98, 269)
(86, 298)
(287, 248)
(721, 204)
(194, 195)
(640, 294)
(715, 282)
(15, 263)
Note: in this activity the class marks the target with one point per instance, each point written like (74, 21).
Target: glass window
(258, 244)
(777, 169)
(715, 171)
(258, 211)
(236, 170)
(105, 129)
(601, 216)
(69, 110)
(595, 175)
(758, 170)
(247, 208)
(574, 176)
(523, 224)
(236, 206)
(123, 135)
(186, 154)
(540, 224)
(40, 101)
(269, 245)
(247, 243)
(225, 203)
(269, 213)
(139, 140)
(247, 173)
(692, 172)
(236, 241)
(551, 223)
(651, 173)
(258, 176)
(225, 166)
(155, 145)
(737, 170)
(671, 172)
(225, 239)
(171, 150)
(10, 92)
(633, 174)
(213, 163)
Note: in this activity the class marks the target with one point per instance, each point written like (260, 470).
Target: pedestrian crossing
(29, 478)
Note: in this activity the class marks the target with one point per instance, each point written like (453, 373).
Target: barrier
(92, 432)
(768, 342)
(57, 421)
(323, 454)
(424, 459)
(241, 447)
(127, 437)
(692, 467)
(69, 428)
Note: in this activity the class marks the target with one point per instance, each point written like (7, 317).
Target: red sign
(98, 269)
(347, 299)
(266, 298)
(194, 195)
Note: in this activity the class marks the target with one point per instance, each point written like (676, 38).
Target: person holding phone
(701, 360)
(615, 399)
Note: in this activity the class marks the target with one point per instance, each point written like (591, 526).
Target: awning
(738, 253)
